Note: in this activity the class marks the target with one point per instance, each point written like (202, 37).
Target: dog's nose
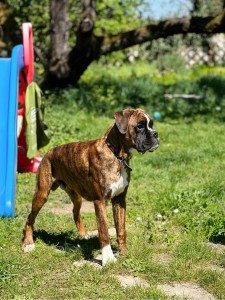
(155, 134)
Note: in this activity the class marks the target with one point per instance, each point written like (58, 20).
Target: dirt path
(87, 206)
(185, 290)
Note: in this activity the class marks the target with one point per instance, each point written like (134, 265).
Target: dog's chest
(119, 186)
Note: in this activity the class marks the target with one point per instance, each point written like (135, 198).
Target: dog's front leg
(101, 216)
(119, 214)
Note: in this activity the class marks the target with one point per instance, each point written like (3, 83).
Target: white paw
(29, 248)
(107, 255)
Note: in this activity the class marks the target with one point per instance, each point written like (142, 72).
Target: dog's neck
(116, 142)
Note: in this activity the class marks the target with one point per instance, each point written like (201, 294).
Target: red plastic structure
(25, 164)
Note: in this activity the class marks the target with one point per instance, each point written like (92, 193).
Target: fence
(213, 54)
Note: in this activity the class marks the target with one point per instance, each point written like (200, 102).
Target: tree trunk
(66, 68)
(58, 69)
(87, 47)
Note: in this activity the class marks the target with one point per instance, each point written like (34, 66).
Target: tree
(9, 30)
(88, 44)
(67, 63)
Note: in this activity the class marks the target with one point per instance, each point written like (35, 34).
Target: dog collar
(120, 158)
(123, 162)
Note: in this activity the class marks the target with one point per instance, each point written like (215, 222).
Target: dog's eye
(140, 126)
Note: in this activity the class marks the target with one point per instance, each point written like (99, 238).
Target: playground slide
(16, 73)
(9, 86)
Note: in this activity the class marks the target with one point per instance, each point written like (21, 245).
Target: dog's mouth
(146, 147)
(152, 149)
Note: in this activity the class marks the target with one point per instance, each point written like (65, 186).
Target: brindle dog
(98, 171)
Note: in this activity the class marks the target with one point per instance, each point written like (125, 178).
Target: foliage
(112, 17)
(169, 63)
(116, 16)
(103, 90)
(36, 12)
(204, 7)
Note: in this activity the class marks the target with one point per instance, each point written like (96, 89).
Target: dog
(97, 171)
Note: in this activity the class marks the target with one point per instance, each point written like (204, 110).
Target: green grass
(184, 174)
(175, 206)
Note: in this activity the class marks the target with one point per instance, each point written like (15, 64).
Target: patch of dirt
(87, 206)
(188, 290)
(162, 258)
(95, 263)
(112, 232)
(60, 209)
(131, 281)
(182, 290)
(125, 280)
(218, 247)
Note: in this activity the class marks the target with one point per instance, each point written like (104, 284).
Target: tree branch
(163, 29)
(90, 47)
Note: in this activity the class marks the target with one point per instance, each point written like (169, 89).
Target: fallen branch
(184, 96)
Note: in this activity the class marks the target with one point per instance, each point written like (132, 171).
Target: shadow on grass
(219, 239)
(65, 242)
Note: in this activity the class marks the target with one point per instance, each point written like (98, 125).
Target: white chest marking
(119, 186)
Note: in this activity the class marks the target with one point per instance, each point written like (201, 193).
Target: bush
(170, 62)
(105, 90)
(107, 94)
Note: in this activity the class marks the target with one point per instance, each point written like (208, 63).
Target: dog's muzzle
(155, 141)
(148, 142)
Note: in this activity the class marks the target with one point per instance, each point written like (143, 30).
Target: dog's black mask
(146, 137)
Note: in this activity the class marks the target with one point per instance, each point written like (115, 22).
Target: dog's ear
(122, 119)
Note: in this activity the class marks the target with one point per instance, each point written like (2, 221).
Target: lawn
(175, 218)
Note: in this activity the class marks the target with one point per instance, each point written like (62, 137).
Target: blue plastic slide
(9, 87)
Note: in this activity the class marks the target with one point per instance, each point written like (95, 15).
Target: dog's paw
(107, 255)
(28, 248)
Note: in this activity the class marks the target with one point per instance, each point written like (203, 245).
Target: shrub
(104, 90)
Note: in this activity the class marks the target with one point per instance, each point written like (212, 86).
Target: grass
(175, 206)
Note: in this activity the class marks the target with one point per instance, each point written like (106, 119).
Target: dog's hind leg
(44, 183)
(77, 201)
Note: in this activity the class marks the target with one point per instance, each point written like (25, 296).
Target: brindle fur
(87, 170)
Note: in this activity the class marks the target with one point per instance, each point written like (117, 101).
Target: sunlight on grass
(175, 205)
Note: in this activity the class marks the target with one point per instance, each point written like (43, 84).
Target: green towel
(36, 131)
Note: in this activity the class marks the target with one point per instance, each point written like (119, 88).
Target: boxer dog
(98, 171)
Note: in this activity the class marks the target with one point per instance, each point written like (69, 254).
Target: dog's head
(137, 126)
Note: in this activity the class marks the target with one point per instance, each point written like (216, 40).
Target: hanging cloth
(36, 131)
